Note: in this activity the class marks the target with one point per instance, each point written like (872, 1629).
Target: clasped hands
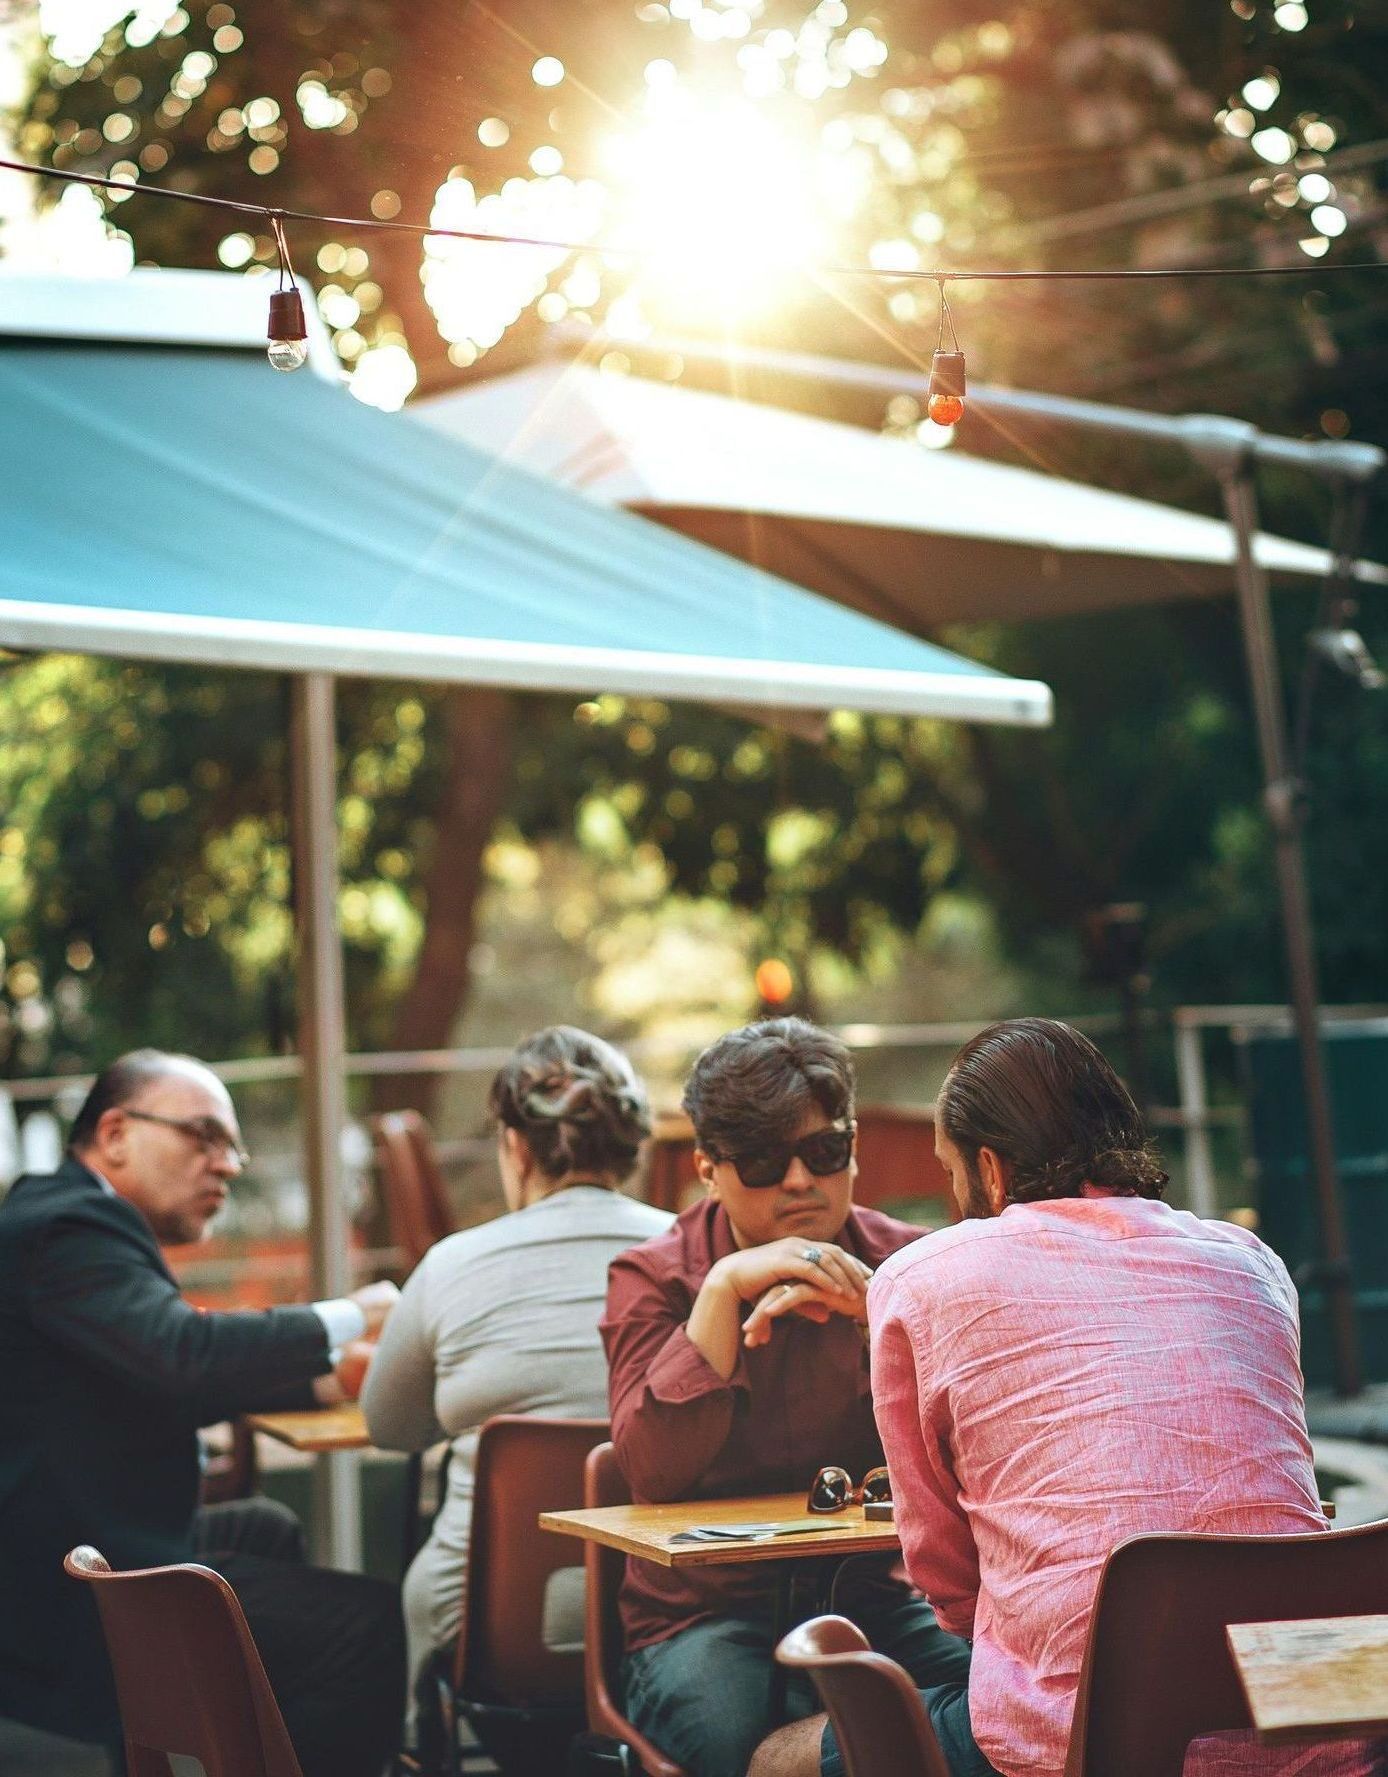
(811, 1278)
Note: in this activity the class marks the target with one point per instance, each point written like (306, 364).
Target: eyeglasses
(207, 1132)
(832, 1490)
(826, 1151)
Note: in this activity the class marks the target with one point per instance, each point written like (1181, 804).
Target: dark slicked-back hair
(120, 1084)
(577, 1101)
(757, 1083)
(1045, 1100)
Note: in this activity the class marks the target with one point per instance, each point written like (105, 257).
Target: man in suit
(106, 1373)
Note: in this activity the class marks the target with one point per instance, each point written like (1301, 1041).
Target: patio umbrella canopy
(175, 501)
(193, 505)
(917, 537)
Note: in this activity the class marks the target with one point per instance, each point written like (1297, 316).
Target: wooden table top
(648, 1530)
(1323, 1678)
(316, 1428)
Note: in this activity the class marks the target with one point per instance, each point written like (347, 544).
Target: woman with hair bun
(503, 1318)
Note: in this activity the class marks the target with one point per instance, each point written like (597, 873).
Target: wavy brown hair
(1044, 1099)
(756, 1084)
(577, 1101)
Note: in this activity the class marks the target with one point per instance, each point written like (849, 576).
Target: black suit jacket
(106, 1373)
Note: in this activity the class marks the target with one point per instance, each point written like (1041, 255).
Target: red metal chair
(878, 1716)
(1157, 1670)
(523, 1699)
(604, 1484)
(896, 1159)
(668, 1175)
(232, 1473)
(416, 1202)
(188, 1677)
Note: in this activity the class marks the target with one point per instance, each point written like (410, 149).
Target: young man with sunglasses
(106, 1373)
(738, 1363)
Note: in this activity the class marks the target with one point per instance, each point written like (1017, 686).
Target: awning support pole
(322, 1044)
(1283, 802)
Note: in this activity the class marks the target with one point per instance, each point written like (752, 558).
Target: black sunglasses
(832, 1490)
(824, 1152)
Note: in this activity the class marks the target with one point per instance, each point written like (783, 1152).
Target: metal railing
(1195, 1115)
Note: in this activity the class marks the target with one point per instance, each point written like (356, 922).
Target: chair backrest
(876, 1710)
(231, 1473)
(417, 1207)
(604, 1484)
(1157, 1670)
(525, 1466)
(668, 1176)
(896, 1159)
(188, 1676)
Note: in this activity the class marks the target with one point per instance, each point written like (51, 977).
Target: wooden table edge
(310, 1439)
(1295, 1732)
(848, 1539)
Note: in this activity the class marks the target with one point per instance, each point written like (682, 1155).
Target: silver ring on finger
(812, 1255)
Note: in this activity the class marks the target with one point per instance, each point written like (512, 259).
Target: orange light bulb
(945, 410)
(775, 983)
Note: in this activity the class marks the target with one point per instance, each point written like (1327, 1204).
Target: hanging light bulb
(945, 400)
(775, 982)
(288, 347)
(288, 335)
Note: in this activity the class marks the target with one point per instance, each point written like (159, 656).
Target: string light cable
(288, 347)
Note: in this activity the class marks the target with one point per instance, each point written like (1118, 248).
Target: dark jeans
(947, 1705)
(333, 1644)
(702, 1696)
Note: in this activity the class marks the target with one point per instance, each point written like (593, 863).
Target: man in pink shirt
(1073, 1364)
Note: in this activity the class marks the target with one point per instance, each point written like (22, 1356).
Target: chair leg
(437, 1753)
(596, 1755)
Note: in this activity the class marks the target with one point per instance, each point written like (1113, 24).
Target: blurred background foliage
(143, 857)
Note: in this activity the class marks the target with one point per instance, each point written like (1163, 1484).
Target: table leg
(780, 1623)
(822, 1573)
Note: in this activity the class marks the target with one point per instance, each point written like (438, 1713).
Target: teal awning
(194, 505)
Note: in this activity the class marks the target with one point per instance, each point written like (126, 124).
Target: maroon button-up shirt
(682, 1432)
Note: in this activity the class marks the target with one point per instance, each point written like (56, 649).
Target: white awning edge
(523, 666)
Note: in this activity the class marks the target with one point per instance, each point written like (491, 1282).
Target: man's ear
(992, 1170)
(704, 1165)
(108, 1138)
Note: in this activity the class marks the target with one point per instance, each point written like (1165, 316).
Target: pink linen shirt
(1060, 1377)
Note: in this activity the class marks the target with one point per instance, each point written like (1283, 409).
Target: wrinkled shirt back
(1054, 1380)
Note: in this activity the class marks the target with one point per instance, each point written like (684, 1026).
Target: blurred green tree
(1060, 134)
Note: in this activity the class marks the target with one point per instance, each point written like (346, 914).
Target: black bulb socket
(287, 316)
(947, 374)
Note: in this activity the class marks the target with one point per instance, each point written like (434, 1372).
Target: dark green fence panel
(1357, 1064)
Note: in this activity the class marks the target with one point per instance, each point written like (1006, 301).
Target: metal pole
(323, 1047)
(1190, 1076)
(1282, 801)
(1327, 458)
